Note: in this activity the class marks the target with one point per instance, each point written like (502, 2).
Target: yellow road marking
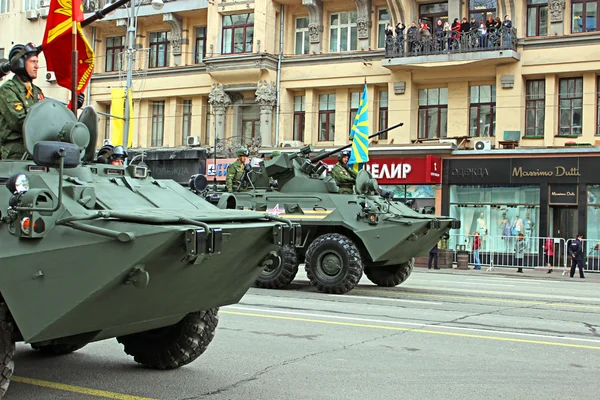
(444, 296)
(394, 328)
(77, 389)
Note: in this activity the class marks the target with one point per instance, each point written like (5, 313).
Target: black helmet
(105, 153)
(118, 152)
(343, 154)
(18, 55)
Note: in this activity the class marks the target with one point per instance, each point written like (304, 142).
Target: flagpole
(74, 65)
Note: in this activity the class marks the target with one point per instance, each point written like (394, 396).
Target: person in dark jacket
(506, 29)
(400, 37)
(433, 255)
(576, 253)
(412, 35)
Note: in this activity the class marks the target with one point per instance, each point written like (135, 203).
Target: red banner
(407, 171)
(57, 44)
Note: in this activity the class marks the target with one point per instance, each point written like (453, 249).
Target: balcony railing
(450, 42)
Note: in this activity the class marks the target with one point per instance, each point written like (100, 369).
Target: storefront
(538, 197)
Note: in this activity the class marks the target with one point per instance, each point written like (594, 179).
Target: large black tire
(390, 275)
(173, 346)
(57, 349)
(333, 264)
(283, 274)
(7, 349)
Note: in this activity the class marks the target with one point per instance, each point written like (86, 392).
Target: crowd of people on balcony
(461, 36)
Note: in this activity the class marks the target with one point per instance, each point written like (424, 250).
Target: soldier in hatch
(344, 176)
(272, 181)
(113, 155)
(235, 171)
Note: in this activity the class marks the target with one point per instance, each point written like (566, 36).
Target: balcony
(450, 49)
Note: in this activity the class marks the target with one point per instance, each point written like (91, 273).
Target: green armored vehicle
(344, 235)
(93, 251)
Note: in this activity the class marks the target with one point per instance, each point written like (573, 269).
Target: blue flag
(359, 155)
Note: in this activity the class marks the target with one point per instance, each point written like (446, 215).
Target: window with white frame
(302, 42)
(4, 6)
(30, 4)
(383, 20)
(343, 35)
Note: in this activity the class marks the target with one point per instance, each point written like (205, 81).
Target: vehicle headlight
(18, 183)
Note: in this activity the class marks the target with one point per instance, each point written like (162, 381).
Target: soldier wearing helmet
(109, 154)
(344, 176)
(274, 154)
(235, 171)
(17, 96)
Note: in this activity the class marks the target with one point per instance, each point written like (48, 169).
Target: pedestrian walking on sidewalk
(433, 255)
(520, 251)
(549, 253)
(576, 253)
(476, 247)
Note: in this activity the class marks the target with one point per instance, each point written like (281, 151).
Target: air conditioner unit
(193, 140)
(32, 15)
(481, 145)
(451, 141)
(50, 77)
(292, 143)
(44, 12)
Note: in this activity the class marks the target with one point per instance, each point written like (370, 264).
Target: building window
(107, 122)
(571, 103)
(430, 13)
(207, 131)
(302, 43)
(433, 113)
(537, 17)
(584, 10)
(534, 108)
(383, 113)
(238, 33)
(158, 123)
(159, 49)
(482, 9)
(326, 117)
(354, 102)
(593, 227)
(200, 47)
(186, 117)
(598, 105)
(251, 129)
(299, 113)
(383, 20)
(30, 4)
(483, 111)
(343, 35)
(114, 49)
(4, 6)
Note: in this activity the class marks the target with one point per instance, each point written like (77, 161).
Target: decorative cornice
(263, 61)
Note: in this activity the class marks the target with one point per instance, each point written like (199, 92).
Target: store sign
(395, 171)
(220, 170)
(563, 194)
(551, 170)
(476, 171)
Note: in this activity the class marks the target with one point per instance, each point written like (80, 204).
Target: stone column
(266, 96)
(363, 23)
(315, 24)
(176, 36)
(454, 7)
(219, 101)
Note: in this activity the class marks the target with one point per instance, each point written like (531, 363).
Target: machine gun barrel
(332, 152)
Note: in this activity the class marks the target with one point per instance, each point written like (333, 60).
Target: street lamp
(132, 16)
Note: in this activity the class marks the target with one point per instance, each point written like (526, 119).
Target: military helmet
(104, 153)
(343, 154)
(274, 153)
(119, 151)
(242, 151)
(18, 55)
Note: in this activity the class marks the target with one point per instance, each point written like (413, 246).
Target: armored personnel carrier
(94, 251)
(343, 235)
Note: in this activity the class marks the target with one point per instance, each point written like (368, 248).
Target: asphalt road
(440, 335)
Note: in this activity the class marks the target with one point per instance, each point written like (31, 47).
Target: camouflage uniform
(16, 98)
(344, 177)
(235, 171)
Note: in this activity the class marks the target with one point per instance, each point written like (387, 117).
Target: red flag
(57, 45)
(77, 11)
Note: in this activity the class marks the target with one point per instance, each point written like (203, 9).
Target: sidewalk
(537, 273)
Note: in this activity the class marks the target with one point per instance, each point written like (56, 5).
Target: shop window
(114, 50)
(158, 123)
(186, 117)
(593, 228)
(416, 197)
(481, 10)
(159, 49)
(200, 47)
(498, 213)
(571, 106)
(299, 114)
(535, 107)
(383, 113)
(343, 35)
(537, 17)
(326, 117)
(383, 20)
(482, 120)
(584, 14)
(302, 43)
(433, 113)
(238, 33)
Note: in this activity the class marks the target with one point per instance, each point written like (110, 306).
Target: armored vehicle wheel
(333, 264)
(390, 275)
(282, 274)
(7, 349)
(57, 349)
(173, 346)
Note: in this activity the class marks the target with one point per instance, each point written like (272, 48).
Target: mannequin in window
(529, 224)
(482, 229)
(505, 231)
(517, 226)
